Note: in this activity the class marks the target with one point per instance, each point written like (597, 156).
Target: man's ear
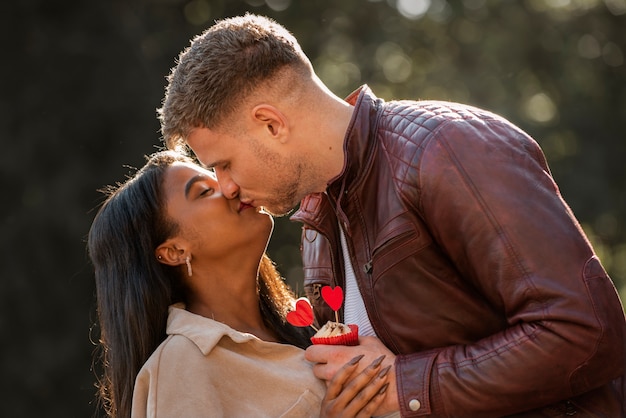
(272, 120)
(172, 252)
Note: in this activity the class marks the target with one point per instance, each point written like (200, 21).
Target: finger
(370, 397)
(336, 383)
(320, 353)
(326, 368)
(323, 371)
(362, 379)
(361, 389)
(330, 407)
(373, 404)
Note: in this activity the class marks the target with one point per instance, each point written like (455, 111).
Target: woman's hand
(362, 394)
(330, 360)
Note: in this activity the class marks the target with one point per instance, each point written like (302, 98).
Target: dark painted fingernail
(356, 360)
(383, 389)
(379, 360)
(384, 371)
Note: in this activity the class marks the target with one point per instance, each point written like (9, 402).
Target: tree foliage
(82, 80)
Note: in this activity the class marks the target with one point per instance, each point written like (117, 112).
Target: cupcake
(332, 333)
(336, 333)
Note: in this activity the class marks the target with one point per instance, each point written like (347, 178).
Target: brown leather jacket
(472, 267)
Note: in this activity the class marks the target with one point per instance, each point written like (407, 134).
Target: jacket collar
(204, 332)
(358, 148)
(359, 137)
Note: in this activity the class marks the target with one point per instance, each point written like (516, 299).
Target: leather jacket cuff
(413, 378)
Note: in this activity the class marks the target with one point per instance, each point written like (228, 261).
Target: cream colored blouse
(206, 369)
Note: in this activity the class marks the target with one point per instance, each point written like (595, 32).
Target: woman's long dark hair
(134, 290)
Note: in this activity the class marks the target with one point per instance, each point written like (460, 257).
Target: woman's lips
(244, 206)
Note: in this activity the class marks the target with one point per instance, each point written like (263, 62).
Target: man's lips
(244, 206)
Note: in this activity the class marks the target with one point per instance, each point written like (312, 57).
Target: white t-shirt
(354, 308)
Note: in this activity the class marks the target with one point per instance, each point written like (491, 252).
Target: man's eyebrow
(214, 164)
(192, 181)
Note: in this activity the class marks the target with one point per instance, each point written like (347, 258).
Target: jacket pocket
(307, 405)
(393, 248)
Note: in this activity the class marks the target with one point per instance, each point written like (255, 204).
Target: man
(459, 258)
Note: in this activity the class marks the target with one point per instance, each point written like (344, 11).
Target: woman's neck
(232, 301)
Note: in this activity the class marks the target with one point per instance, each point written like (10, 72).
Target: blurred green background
(81, 81)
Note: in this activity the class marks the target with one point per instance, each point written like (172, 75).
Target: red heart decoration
(333, 297)
(303, 315)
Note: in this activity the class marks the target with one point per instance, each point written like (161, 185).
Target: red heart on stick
(333, 297)
(303, 315)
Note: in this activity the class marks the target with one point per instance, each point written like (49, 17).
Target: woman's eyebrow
(192, 181)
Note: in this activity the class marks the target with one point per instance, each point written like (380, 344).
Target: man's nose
(229, 188)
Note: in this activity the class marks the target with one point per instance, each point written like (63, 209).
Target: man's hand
(330, 359)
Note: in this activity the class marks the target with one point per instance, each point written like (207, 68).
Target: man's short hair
(220, 68)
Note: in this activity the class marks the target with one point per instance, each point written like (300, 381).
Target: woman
(192, 311)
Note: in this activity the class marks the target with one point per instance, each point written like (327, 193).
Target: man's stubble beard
(289, 193)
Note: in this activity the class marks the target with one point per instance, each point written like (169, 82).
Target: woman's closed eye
(207, 192)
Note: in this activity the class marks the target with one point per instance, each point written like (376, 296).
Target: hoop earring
(188, 262)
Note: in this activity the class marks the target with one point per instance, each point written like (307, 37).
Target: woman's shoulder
(176, 369)
(174, 348)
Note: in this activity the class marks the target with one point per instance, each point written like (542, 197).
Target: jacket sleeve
(486, 193)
